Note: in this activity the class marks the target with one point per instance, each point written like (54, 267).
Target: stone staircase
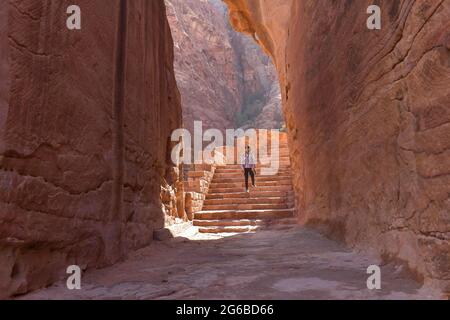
(229, 209)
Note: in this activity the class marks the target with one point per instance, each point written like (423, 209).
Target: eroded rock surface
(368, 114)
(80, 178)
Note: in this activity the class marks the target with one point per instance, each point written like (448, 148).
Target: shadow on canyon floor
(286, 263)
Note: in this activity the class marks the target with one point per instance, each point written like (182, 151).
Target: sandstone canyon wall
(368, 114)
(85, 118)
(225, 79)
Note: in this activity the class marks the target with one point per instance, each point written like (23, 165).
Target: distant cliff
(224, 78)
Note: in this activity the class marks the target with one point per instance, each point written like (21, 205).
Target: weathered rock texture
(368, 114)
(225, 79)
(80, 170)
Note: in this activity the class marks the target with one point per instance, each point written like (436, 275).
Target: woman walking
(249, 167)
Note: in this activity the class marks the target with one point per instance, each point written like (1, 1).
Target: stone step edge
(250, 199)
(258, 206)
(246, 211)
(283, 188)
(242, 229)
(243, 222)
(244, 195)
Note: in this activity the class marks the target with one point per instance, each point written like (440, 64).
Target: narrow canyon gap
(225, 79)
(368, 118)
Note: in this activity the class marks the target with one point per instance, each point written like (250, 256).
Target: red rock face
(369, 120)
(80, 174)
(225, 79)
(4, 70)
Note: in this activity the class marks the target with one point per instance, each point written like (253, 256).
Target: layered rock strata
(368, 118)
(85, 120)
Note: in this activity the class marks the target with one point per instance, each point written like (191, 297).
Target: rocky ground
(287, 263)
